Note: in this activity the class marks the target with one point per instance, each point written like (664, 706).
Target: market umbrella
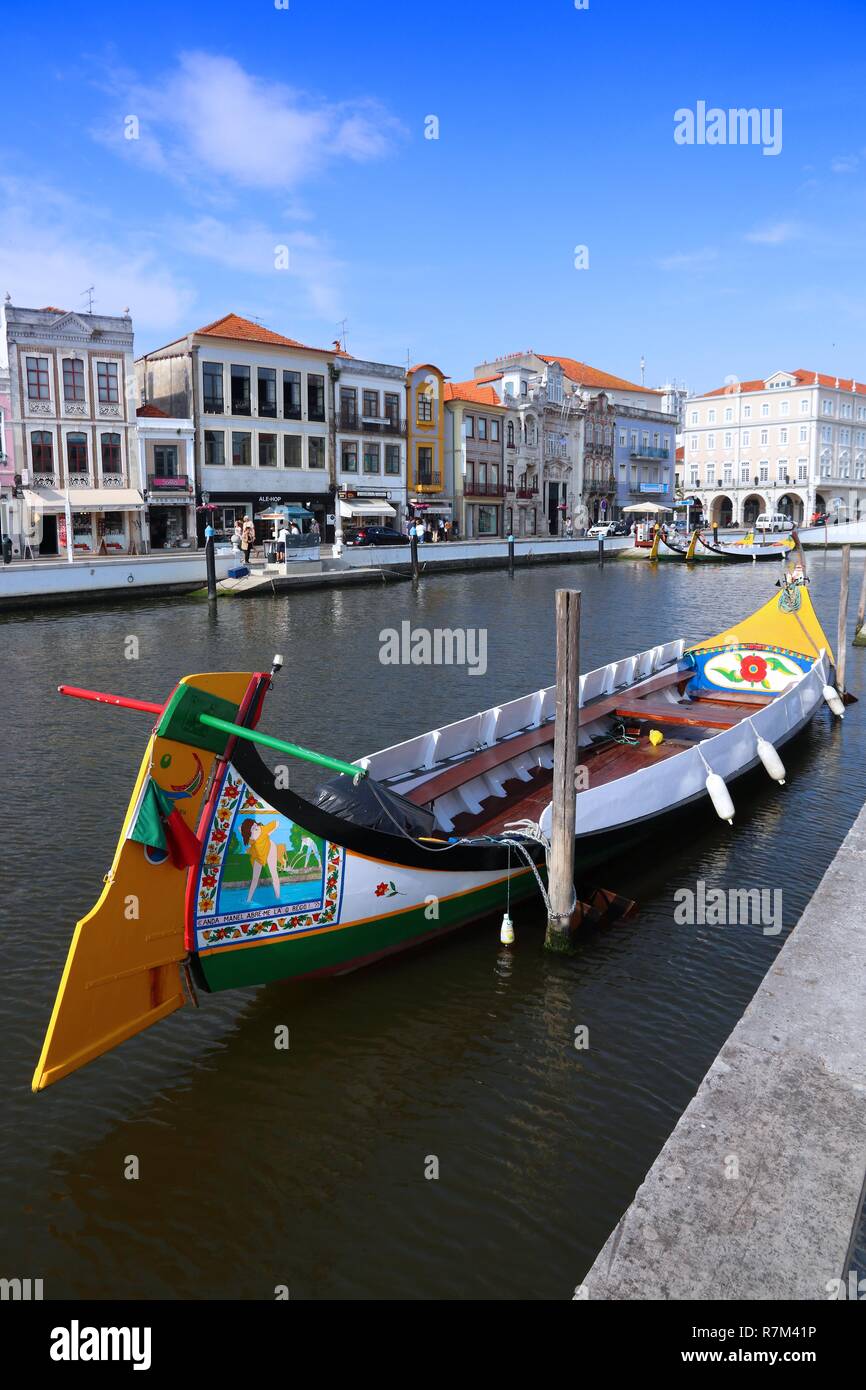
(646, 507)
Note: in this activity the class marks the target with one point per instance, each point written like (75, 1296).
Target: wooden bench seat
(705, 714)
(450, 778)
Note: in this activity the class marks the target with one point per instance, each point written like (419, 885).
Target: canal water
(306, 1167)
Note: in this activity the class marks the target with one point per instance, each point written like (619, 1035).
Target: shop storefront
(360, 510)
(100, 521)
(432, 510)
(171, 513)
(223, 509)
(483, 519)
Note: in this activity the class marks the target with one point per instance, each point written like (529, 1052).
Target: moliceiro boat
(223, 876)
(697, 547)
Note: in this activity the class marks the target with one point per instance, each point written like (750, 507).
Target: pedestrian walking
(282, 538)
(248, 538)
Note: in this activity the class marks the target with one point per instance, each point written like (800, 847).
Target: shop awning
(47, 500)
(374, 506)
(435, 508)
(52, 501)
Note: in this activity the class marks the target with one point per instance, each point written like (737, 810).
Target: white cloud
(252, 249)
(210, 118)
(844, 164)
(52, 253)
(689, 260)
(774, 233)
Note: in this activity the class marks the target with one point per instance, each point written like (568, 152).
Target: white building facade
(370, 443)
(262, 410)
(166, 451)
(794, 443)
(73, 397)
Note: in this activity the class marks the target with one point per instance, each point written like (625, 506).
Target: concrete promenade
(785, 1099)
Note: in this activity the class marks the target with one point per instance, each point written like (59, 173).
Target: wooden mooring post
(842, 629)
(413, 546)
(511, 557)
(860, 625)
(561, 873)
(210, 568)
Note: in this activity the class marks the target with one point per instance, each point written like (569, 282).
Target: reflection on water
(306, 1166)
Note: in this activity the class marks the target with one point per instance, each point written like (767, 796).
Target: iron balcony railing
(649, 453)
(370, 424)
(473, 489)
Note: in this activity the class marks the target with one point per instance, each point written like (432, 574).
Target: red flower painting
(386, 890)
(753, 668)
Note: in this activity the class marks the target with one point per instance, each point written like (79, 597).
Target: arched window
(76, 453)
(42, 451)
(110, 453)
(511, 434)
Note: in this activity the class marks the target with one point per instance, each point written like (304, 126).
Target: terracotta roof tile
(801, 376)
(471, 391)
(591, 376)
(244, 330)
(152, 412)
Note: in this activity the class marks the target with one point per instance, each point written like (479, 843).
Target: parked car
(374, 535)
(602, 528)
(774, 521)
(819, 518)
(619, 528)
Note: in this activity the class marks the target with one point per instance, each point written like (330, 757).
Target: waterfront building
(262, 407)
(545, 447)
(370, 433)
(429, 476)
(794, 442)
(640, 466)
(475, 421)
(644, 457)
(578, 412)
(74, 427)
(166, 450)
(7, 456)
(524, 400)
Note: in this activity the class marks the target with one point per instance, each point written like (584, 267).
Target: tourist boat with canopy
(224, 876)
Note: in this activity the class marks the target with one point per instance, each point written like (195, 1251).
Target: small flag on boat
(159, 825)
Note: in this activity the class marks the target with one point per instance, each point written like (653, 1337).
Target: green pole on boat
(292, 749)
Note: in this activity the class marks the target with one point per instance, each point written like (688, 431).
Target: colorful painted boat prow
(123, 971)
(765, 652)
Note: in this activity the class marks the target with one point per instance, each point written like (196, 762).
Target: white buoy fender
(771, 760)
(834, 700)
(506, 931)
(720, 797)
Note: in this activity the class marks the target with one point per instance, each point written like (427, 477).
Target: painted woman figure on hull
(262, 851)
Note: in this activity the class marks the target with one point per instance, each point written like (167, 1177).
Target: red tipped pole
(102, 697)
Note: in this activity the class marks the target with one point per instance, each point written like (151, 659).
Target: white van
(774, 521)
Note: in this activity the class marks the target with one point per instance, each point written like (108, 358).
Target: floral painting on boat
(761, 670)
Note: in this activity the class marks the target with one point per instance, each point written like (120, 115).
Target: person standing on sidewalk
(248, 538)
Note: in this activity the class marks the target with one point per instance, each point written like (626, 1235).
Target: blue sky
(304, 128)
